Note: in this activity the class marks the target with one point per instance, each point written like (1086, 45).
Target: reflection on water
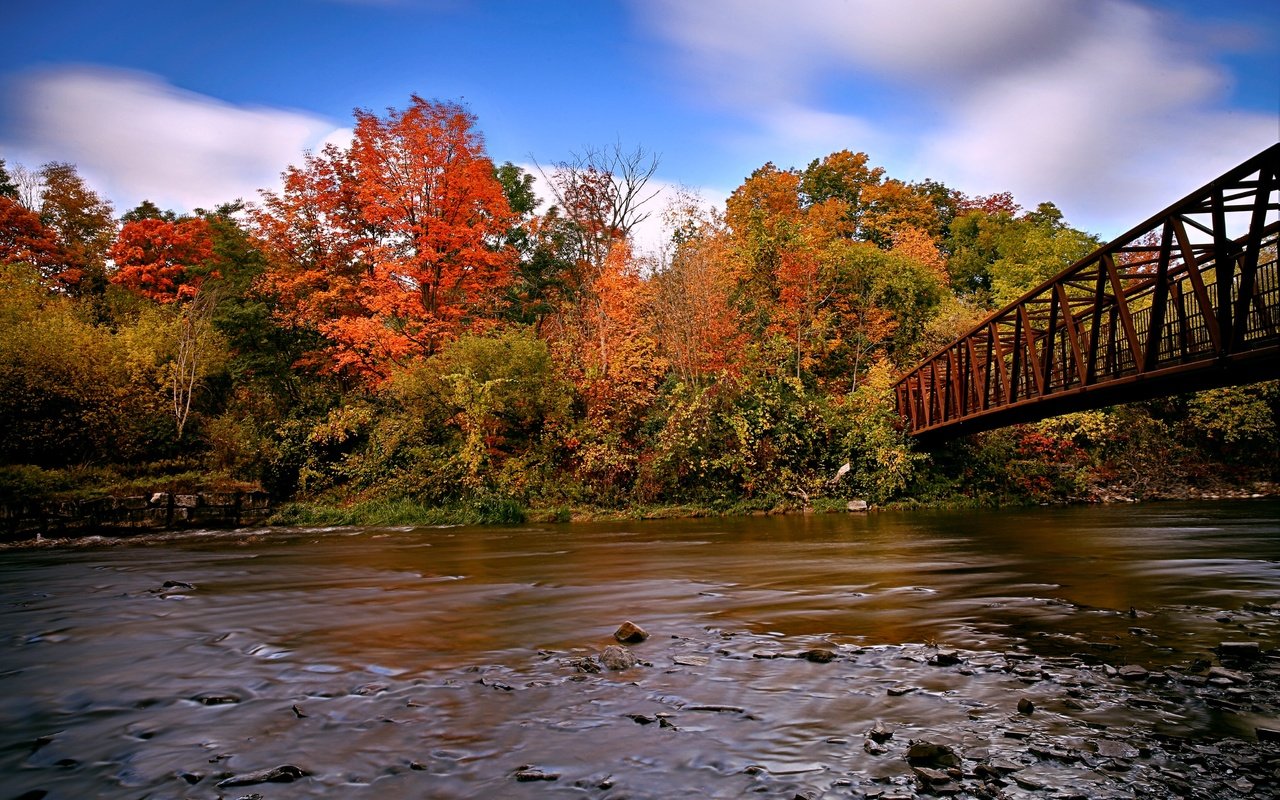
(439, 655)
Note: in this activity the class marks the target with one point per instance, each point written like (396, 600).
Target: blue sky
(1110, 108)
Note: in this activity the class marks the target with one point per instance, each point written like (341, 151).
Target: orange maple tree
(160, 259)
(396, 246)
(615, 355)
(392, 248)
(25, 240)
(699, 328)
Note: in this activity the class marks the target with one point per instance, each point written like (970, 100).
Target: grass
(396, 512)
(24, 483)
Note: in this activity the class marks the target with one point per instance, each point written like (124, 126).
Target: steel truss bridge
(1188, 300)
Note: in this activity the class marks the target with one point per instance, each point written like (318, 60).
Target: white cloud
(1093, 104)
(765, 49)
(135, 137)
(1114, 128)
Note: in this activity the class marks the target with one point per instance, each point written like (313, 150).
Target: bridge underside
(1188, 300)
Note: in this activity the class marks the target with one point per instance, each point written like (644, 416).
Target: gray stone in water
(880, 733)
(1229, 676)
(216, 699)
(1108, 748)
(529, 774)
(285, 773)
(691, 661)
(616, 657)
(931, 776)
(945, 658)
(1025, 706)
(1132, 672)
(1005, 765)
(927, 753)
(583, 664)
(630, 633)
(820, 655)
(857, 505)
(1239, 649)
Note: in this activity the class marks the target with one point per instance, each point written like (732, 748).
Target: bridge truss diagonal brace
(1205, 299)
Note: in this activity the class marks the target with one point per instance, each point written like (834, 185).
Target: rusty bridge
(1188, 300)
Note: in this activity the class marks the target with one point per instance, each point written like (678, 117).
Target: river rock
(945, 658)
(173, 586)
(879, 733)
(1218, 674)
(1108, 748)
(856, 505)
(616, 657)
(1132, 672)
(922, 753)
(630, 633)
(285, 773)
(216, 699)
(1245, 650)
(1025, 706)
(583, 664)
(530, 774)
(931, 776)
(820, 655)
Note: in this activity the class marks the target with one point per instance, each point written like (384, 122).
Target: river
(459, 662)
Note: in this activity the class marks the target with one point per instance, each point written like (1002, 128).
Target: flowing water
(442, 662)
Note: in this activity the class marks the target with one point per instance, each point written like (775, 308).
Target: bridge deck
(1189, 299)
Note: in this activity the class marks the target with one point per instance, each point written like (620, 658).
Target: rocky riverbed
(728, 714)
(1093, 653)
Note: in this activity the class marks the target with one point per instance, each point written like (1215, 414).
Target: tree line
(403, 320)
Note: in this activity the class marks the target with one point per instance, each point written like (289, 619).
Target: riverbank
(488, 511)
(229, 509)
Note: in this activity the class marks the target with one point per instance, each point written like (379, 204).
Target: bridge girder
(1188, 299)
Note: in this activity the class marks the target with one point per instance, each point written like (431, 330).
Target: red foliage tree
(25, 240)
(162, 260)
(392, 248)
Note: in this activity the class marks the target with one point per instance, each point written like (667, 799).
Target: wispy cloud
(1093, 104)
(136, 137)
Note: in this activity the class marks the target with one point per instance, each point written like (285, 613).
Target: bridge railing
(1189, 298)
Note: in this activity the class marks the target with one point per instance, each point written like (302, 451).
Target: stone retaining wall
(158, 511)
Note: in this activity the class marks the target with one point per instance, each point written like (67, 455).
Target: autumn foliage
(25, 240)
(402, 320)
(165, 261)
(393, 247)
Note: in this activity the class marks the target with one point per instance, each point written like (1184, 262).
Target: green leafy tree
(148, 210)
(882, 459)
(1238, 422)
(8, 188)
(1000, 257)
